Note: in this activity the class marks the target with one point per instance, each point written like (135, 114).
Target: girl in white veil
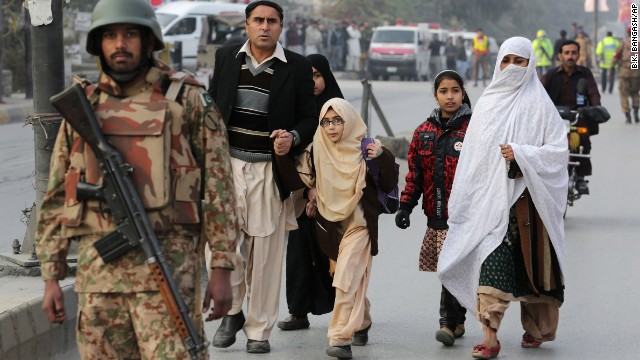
(506, 236)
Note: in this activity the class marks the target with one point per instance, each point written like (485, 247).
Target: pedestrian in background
(308, 281)
(480, 49)
(506, 230)
(557, 47)
(338, 46)
(347, 215)
(605, 52)
(313, 38)
(629, 84)
(168, 129)
(585, 49)
(265, 94)
(462, 63)
(433, 156)
(544, 51)
(435, 59)
(450, 53)
(353, 45)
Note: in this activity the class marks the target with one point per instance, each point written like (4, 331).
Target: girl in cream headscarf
(506, 236)
(347, 215)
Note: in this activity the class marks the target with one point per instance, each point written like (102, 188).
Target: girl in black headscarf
(326, 87)
(308, 283)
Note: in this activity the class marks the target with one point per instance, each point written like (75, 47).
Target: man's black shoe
(361, 337)
(582, 187)
(340, 352)
(226, 334)
(258, 347)
(294, 322)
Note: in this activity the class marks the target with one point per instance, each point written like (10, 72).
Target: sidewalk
(15, 109)
(25, 332)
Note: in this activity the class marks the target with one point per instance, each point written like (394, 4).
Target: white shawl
(516, 110)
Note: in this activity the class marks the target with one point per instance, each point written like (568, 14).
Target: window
(185, 26)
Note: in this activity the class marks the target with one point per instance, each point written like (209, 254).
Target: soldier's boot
(628, 117)
(635, 115)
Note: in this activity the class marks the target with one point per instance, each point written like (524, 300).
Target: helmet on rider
(137, 12)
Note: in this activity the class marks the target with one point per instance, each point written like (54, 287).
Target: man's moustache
(124, 53)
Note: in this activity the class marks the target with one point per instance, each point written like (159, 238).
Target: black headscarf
(331, 88)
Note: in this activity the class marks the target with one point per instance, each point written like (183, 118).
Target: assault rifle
(123, 201)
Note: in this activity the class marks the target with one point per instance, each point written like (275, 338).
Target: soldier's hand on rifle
(218, 291)
(53, 302)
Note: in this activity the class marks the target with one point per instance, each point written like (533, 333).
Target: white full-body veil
(516, 110)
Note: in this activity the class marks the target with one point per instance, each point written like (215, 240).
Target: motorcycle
(574, 131)
(592, 116)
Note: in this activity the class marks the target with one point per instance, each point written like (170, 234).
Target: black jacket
(292, 105)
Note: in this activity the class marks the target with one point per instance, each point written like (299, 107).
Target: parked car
(399, 50)
(200, 23)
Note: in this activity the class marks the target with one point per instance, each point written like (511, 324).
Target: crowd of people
(271, 165)
(344, 43)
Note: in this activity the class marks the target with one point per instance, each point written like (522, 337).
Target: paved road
(599, 319)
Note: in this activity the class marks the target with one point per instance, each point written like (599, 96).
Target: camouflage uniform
(629, 85)
(180, 153)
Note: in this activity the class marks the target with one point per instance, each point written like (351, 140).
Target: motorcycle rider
(561, 85)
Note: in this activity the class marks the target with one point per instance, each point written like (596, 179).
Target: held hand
(312, 195)
(218, 291)
(283, 141)
(310, 210)
(374, 150)
(53, 302)
(507, 152)
(402, 219)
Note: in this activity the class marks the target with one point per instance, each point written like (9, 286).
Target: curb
(25, 332)
(14, 113)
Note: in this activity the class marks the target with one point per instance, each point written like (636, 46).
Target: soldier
(629, 85)
(168, 128)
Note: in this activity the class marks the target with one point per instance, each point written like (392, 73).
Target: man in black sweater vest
(265, 94)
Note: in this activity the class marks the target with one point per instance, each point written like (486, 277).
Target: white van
(399, 50)
(198, 23)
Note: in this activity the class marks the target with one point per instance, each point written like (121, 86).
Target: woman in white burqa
(506, 231)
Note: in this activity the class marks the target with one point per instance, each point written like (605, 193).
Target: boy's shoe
(459, 331)
(361, 337)
(294, 322)
(340, 352)
(445, 336)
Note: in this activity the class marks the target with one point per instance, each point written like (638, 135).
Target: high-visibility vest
(543, 49)
(606, 50)
(481, 44)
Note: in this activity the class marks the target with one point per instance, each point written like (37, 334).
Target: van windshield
(164, 19)
(393, 36)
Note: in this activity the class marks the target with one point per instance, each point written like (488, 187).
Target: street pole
(1, 50)
(48, 79)
(28, 79)
(595, 31)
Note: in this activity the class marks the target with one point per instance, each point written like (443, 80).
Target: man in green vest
(544, 52)
(605, 51)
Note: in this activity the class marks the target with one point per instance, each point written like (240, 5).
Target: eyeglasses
(333, 121)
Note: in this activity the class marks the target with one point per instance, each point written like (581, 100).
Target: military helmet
(109, 12)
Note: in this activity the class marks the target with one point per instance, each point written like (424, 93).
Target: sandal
(482, 351)
(529, 341)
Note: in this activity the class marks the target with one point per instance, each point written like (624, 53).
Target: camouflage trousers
(128, 326)
(629, 87)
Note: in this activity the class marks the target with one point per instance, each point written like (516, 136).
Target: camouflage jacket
(180, 154)
(623, 55)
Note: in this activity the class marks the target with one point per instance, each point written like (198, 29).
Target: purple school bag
(390, 201)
